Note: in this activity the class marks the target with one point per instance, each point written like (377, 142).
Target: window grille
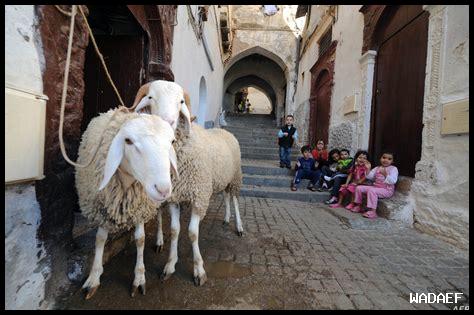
(325, 42)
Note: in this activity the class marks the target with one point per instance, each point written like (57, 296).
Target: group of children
(339, 173)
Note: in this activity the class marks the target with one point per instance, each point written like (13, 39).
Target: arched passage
(257, 67)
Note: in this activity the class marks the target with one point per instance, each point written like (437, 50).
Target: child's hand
(383, 171)
(368, 165)
(298, 163)
(344, 185)
(285, 134)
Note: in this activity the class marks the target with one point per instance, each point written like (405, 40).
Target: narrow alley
(365, 104)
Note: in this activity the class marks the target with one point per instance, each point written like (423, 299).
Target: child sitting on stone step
(306, 169)
(385, 177)
(286, 137)
(342, 171)
(320, 154)
(329, 169)
(357, 175)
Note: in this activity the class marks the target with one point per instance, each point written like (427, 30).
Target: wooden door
(319, 109)
(399, 89)
(124, 54)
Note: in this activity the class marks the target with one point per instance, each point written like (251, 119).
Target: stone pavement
(293, 255)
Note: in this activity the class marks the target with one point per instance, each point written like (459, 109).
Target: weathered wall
(260, 104)
(347, 31)
(26, 268)
(189, 63)
(441, 185)
(277, 34)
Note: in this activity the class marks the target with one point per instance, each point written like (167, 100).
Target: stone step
(267, 151)
(254, 130)
(302, 194)
(357, 221)
(263, 156)
(271, 180)
(264, 167)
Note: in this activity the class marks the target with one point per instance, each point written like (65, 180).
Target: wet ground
(293, 255)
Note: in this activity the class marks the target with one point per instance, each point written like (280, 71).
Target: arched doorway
(320, 105)
(202, 102)
(401, 37)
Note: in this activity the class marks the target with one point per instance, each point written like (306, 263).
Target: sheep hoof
(200, 280)
(225, 223)
(91, 292)
(165, 276)
(142, 289)
(239, 233)
(158, 248)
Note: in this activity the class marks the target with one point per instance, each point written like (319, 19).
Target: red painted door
(319, 109)
(399, 89)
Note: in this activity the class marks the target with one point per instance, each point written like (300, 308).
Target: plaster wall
(260, 104)
(26, 266)
(277, 34)
(190, 64)
(441, 186)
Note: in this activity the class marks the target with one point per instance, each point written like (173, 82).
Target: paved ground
(293, 255)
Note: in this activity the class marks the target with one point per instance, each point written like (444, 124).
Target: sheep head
(166, 99)
(142, 150)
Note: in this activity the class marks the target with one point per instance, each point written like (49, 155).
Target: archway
(202, 101)
(401, 37)
(250, 68)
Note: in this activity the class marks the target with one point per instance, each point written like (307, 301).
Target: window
(270, 9)
(325, 42)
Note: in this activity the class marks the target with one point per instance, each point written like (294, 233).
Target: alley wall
(191, 67)
(26, 265)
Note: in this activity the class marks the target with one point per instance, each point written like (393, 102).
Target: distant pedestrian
(385, 177)
(286, 137)
(306, 169)
(357, 175)
(247, 106)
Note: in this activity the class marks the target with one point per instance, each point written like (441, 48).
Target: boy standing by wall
(286, 137)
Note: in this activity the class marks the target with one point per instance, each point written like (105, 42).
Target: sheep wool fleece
(111, 208)
(208, 162)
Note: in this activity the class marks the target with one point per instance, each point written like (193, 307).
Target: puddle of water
(224, 269)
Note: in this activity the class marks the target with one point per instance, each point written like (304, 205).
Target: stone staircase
(262, 176)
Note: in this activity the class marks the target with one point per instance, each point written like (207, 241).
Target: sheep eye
(182, 101)
(149, 97)
(128, 141)
(172, 142)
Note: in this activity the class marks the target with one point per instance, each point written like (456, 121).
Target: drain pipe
(206, 50)
(297, 68)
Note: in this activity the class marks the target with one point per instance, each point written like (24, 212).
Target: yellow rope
(65, 84)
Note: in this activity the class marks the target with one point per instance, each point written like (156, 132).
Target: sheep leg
(227, 208)
(238, 221)
(93, 281)
(199, 272)
(159, 234)
(173, 257)
(139, 280)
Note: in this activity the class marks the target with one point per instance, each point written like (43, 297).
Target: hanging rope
(121, 108)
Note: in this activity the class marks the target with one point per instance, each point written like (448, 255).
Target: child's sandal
(371, 214)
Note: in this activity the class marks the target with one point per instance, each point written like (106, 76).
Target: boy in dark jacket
(306, 168)
(286, 137)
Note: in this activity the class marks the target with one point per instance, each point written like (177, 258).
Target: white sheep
(208, 162)
(127, 179)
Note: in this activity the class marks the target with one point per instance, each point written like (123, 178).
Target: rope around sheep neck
(121, 108)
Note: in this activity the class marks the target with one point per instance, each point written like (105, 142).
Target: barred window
(325, 42)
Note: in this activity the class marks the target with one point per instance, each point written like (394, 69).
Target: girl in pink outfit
(384, 176)
(357, 175)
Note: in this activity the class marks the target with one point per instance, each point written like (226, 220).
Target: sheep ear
(173, 161)
(114, 158)
(140, 101)
(187, 115)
